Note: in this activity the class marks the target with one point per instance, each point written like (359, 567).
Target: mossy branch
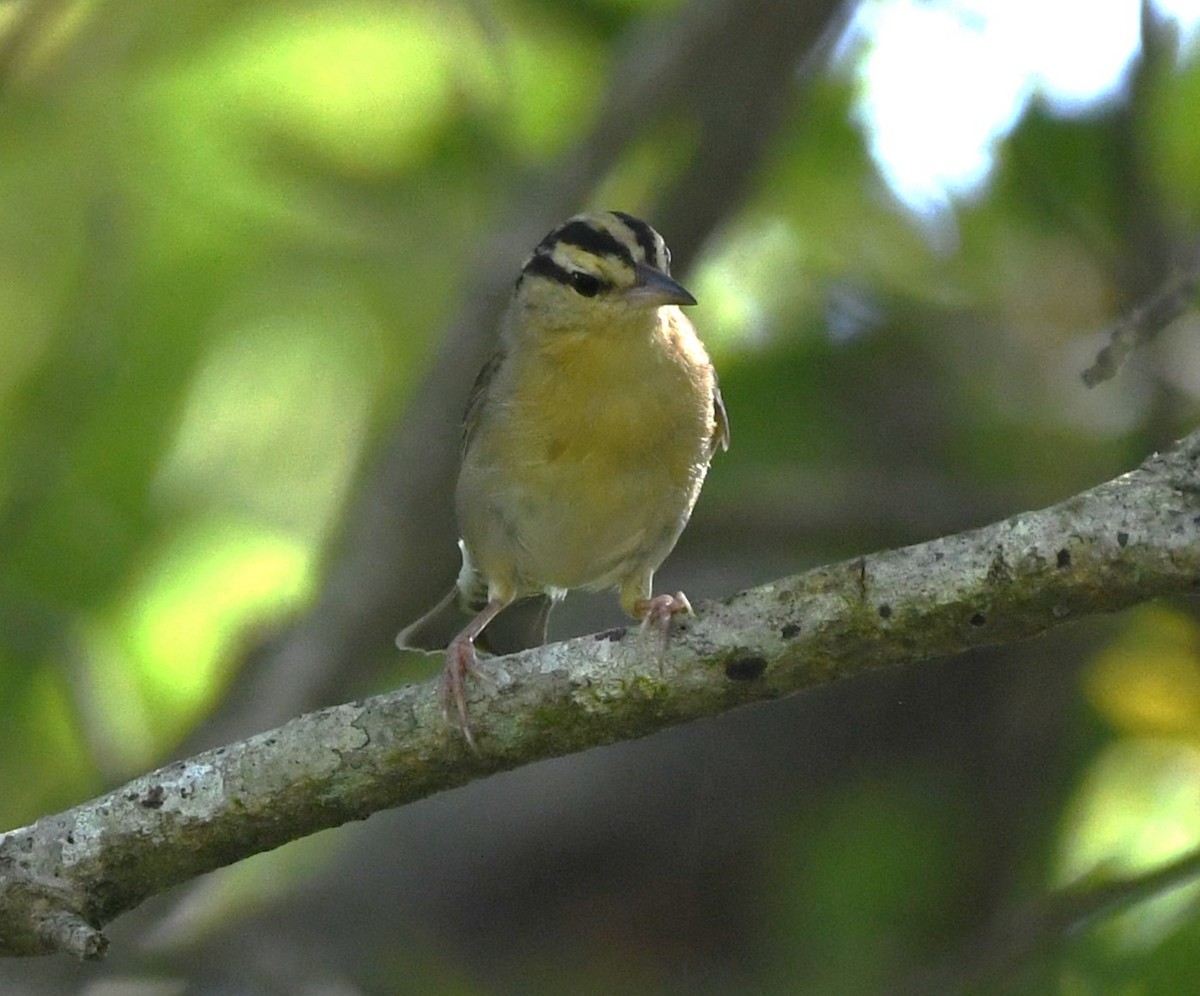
(1134, 538)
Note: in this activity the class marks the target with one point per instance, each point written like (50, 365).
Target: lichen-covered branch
(1137, 537)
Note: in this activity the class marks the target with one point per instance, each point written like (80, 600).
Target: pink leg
(461, 661)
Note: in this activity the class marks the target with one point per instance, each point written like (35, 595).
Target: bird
(586, 440)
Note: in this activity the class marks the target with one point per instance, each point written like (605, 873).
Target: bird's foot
(462, 663)
(658, 612)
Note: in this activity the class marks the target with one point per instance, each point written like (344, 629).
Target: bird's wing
(720, 437)
(478, 395)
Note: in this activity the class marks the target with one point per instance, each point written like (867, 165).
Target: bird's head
(598, 268)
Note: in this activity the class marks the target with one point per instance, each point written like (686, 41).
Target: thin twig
(1172, 298)
(1040, 926)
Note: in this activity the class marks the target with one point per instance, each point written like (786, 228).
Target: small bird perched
(586, 437)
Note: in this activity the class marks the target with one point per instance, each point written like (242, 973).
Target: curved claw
(658, 611)
(661, 609)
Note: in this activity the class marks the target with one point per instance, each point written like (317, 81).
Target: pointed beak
(653, 287)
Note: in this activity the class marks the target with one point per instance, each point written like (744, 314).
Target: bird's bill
(654, 287)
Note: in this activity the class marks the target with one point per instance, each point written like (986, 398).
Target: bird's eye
(585, 284)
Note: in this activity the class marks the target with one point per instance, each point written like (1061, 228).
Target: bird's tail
(436, 628)
(516, 628)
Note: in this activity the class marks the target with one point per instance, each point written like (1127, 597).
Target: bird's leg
(658, 611)
(461, 661)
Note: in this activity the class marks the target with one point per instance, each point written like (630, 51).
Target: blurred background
(251, 258)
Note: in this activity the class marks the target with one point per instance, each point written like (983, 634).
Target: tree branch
(1131, 539)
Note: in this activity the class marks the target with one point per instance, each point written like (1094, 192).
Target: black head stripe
(646, 238)
(594, 240)
(543, 265)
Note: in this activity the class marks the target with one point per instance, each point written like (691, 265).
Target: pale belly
(585, 520)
